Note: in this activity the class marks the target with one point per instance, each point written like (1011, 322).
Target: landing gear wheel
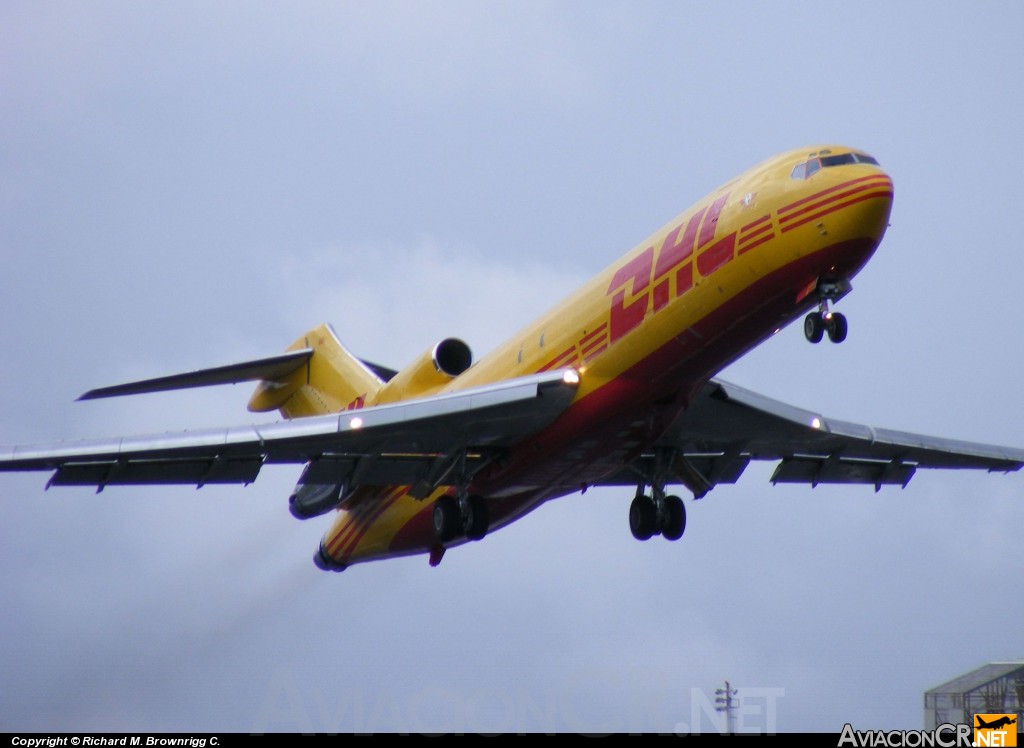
(446, 519)
(476, 521)
(643, 518)
(673, 519)
(814, 327)
(837, 328)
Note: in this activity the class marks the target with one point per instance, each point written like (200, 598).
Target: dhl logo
(650, 284)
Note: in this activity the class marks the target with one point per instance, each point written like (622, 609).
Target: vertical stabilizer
(331, 380)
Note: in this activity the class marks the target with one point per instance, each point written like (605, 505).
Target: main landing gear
(657, 515)
(816, 324)
(465, 515)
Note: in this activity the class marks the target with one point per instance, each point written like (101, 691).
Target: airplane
(994, 724)
(615, 386)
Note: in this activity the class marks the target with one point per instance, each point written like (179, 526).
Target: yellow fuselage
(648, 331)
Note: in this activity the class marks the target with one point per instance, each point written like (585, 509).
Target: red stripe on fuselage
(834, 196)
(586, 350)
(563, 358)
(361, 518)
(753, 224)
(746, 236)
(599, 330)
(746, 247)
(755, 234)
(379, 509)
(832, 207)
(833, 188)
(594, 353)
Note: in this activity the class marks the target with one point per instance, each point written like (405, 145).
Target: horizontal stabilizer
(275, 367)
(386, 374)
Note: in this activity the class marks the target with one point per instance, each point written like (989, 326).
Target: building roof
(979, 678)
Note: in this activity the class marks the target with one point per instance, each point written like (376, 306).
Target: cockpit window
(841, 159)
(848, 158)
(809, 167)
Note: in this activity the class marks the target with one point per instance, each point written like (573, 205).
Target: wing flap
(197, 472)
(814, 471)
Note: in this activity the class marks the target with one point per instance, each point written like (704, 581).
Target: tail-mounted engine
(435, 368)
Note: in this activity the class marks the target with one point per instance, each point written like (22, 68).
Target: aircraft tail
(331, 380)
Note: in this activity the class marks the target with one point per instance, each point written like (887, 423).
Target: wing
(727, 426)
(409, 442)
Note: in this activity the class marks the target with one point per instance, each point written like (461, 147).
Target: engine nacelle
(324, 562)
(435, 368)
(319, 490)
(312, 499)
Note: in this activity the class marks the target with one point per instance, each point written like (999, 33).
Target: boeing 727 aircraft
(613, 387)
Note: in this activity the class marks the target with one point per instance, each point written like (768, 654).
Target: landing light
(815, 423)
(355, 423)
(571, 376)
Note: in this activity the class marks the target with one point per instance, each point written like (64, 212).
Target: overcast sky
(190, 184)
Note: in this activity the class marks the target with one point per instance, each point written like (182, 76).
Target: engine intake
(435, 368)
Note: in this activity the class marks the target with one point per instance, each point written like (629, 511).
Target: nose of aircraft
(847, 197)
(842, 189)
(870, 198)
(839, 203)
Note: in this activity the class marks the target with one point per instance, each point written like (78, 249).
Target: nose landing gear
(816, 324)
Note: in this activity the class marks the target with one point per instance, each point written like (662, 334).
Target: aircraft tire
(674, 518)
(814, 327)
(643, 518)
(477, 521)
(837, 328)
(445, 519)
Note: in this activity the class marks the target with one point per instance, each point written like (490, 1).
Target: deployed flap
(396, 443)
(726, 426)
(275, 367)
